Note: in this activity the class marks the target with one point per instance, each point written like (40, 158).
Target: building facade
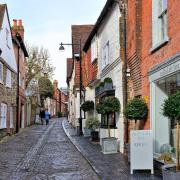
(8, 76)
(104, 42)
(21, 55)
(156, 43)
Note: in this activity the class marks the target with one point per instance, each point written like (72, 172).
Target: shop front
(164, 81)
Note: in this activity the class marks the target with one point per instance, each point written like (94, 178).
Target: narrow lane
(43, 152)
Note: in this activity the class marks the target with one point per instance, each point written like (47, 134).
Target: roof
(98, 23)
(69, 67)
(2, 11)
(80, 32)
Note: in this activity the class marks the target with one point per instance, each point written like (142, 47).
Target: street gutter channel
(83, 154)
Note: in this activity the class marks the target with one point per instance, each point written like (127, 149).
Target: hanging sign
(141, 150)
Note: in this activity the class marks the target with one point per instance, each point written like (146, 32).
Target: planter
(95, 136)
(87, 132)
(108, 86)
(109, 145)
(169, 172)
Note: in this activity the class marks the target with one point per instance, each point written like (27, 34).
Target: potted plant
(171, 109)
(93, 123)
(136, 109)
(101, 87)
(108, 85)
(110, 105)
(59, 114)
(87, 106)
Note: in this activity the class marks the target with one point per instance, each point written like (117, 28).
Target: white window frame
(159, 23)
(7, 38)
(19, 79)
(3, 116)
(105, 55)
(8, 79)
(1, 73)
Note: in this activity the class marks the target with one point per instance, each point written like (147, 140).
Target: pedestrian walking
(47, 117)
(41, 114)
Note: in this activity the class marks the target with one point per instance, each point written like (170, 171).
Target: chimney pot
(14, 22)
(20, 22)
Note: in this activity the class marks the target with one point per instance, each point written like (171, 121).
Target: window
(8, 79)
(1, 73)
(105, 55)
(108, 121)
(159, 22)
(22, 55)
(3, 115)
(7, 38)
(163, 18)
(11, 117)
(93, 49)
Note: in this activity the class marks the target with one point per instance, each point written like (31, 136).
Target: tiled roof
(2, 10)
(80, 32)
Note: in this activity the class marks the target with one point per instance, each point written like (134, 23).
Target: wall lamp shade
(77, 56)
(61, 48)
(0, 52)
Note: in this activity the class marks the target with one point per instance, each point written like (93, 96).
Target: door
(3, 116)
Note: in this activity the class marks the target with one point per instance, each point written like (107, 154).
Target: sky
(47, 23)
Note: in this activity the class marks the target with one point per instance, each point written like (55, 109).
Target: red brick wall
(149, 60)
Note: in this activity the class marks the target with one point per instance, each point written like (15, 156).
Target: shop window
(164, 128)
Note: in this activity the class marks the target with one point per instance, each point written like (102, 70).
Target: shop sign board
(141, 150)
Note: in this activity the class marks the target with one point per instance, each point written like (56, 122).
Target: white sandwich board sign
(141, 150)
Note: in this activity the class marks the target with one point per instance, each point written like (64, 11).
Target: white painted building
(104, 42)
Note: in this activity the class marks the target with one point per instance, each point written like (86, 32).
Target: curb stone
(82, 153)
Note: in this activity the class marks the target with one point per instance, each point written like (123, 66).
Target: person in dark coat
(42, 114)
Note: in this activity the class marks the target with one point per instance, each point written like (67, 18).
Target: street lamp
(79, 58)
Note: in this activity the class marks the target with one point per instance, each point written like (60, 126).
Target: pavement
(109, 166)
(43, 153)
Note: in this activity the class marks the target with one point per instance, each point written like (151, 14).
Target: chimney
(20, 22)
(14, 23)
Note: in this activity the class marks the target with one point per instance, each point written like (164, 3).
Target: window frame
(105, 53)
(1, 73)
(8, 78)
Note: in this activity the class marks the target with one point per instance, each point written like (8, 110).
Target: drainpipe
(17, 96)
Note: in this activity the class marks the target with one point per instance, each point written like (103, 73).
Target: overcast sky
(48, 22)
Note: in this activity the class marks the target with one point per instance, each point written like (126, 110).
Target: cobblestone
(109, 166)
(43, 153)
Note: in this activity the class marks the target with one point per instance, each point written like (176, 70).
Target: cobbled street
(42, 152)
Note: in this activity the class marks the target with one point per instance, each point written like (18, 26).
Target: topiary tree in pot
(111, 104)
(108, 84)
(171, 109)
(87, 106)
(136, 109)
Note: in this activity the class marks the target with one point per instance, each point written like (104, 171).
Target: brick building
(63, 101)
(79, 36)
(20, 54)
(8, 76)
(154, 59)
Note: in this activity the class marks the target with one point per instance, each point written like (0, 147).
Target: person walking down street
(47, 117)
(41, 114)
